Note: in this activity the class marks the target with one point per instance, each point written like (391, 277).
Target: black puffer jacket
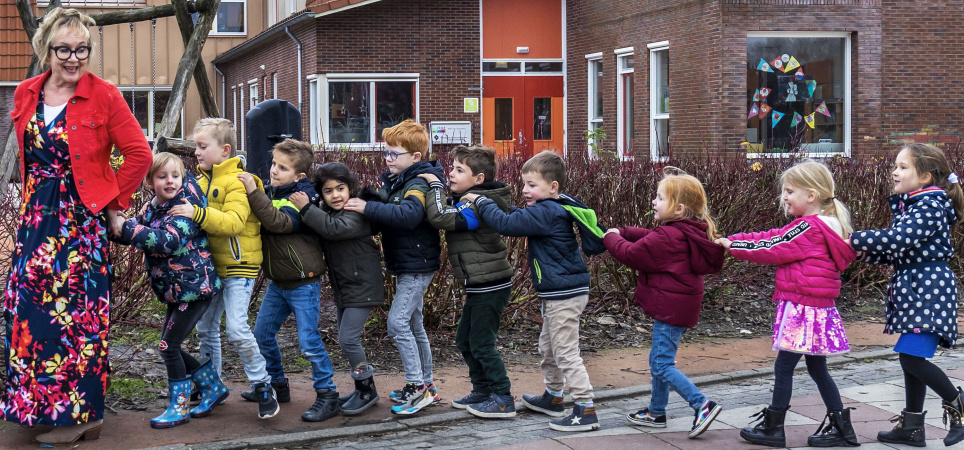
(411, 244)
(354, 262)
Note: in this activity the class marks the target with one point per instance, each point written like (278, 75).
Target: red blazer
(98, 118)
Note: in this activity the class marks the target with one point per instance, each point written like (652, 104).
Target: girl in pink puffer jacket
(809, 253)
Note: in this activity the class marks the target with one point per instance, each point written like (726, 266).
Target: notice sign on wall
(470, 105)
(450, 132)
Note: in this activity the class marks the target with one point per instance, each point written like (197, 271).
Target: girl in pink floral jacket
(809, 253)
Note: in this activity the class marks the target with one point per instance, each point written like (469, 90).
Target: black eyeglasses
(63, 52)
(392, 155)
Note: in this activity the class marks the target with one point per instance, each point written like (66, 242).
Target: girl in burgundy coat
(809, 253)
(671, 259)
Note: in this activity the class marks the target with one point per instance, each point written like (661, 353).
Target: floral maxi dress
(57, 298)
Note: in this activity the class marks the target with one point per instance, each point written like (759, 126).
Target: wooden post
(184, 23)
(138, 15)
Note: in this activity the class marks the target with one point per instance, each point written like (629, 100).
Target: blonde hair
(930, 159)
(160, 160)
(220, 129)
(54, 21)
(408, 135)
(684, 189)
(816, 177)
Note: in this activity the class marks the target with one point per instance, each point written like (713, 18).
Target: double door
(523, 115)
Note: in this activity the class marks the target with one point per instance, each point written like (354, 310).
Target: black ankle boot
(839, 432)
(324, 408)
(769, 431)
(954, 410)
(363, 398)
(909, 430)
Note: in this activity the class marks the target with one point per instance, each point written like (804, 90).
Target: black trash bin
(267, 124)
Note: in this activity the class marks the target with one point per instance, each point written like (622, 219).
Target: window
(659, 100)
(542, 118)
(625, 121)
(231, 18)
(359, 110)
(798, 93)
(314, 119)
(595, 106)
(503, 119)
(253, 93)
(265, 88)
(241, 116)
(234, 101)
(274, 84)
(537, 67)
(148, 108)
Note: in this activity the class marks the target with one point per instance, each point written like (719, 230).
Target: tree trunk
(184, 23)
(137, 15)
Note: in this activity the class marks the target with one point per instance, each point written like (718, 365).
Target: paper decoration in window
(785, 57)
(797, 118)
(809, 119)
(811, 86)
(792, 92)
(756, 95)
(764, 93)
(777, 115)
(777, 64)
(792, 64)
(764, 110)
(754, 110)
(763, 66)
(822, 109)
(799, 75)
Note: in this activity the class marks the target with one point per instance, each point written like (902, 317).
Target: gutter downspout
(298, 43)
(223, 88)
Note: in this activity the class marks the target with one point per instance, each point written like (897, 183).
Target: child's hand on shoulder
(186, 209)
(248, 181)
(724, 242)
(300, 199)
(429, 177)
(356, 204)
(469, 198)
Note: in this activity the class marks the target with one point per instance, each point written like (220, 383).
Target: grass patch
(135, 390)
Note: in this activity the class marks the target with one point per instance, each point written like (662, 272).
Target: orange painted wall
(507, 24)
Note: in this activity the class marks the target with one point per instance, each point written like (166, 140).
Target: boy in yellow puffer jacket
(235, 236)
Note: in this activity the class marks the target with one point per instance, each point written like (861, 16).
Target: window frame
(592, 88)
(848, 90)
(522, 67)
(150, 107)
(324, 110)
(253, 93)
(623, 54)
(214, 25)
(654, 114)
(314, 103)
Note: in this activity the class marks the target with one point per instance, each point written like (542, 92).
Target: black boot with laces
(954, 410)
(769, 431)
(838, 432)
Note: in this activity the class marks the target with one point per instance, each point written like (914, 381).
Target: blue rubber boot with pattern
(213, 391)
(179, 409)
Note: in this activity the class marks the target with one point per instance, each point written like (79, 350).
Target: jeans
(662, 364)
(277, 305)
(475, 337)
(559, 347)
(351, 324)
(179, 321)
(405, 327)
(233, 303)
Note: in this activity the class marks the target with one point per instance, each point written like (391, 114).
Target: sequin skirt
(809, 330)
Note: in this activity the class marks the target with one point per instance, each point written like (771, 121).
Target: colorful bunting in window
(777, 64)
(764, 93)
(754, 110)
(809, 120)
(792, 64)
(811, 86)
(763, 66)
(776, 116)
(764, 110)
(799, 75)
(822, 109)
(756, 95)
(785, 57)
(797, 118)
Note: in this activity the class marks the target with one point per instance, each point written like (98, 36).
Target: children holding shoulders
(478, 257)
(412, 253)
(561, 278)
(354, 271)
(810, 253)
(672, 260)
(921, 306)
(182, 276)
(294, 264)
(234, 234)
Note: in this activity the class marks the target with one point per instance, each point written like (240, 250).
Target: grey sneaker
(546, 403)
(496, 407)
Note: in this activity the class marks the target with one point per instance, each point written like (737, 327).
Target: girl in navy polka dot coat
(922, 298)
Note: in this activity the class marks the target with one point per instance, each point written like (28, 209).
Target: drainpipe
(223, 88)
(298, 43)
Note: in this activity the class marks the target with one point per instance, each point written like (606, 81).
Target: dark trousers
(179, 322)
(475, 338)
(816, 367)
(919, 374)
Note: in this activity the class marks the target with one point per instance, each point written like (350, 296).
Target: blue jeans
(405, 327)
(232, 302)
(277, 305)
(662, 364)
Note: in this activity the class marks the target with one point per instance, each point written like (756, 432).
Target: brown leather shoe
(68, 435)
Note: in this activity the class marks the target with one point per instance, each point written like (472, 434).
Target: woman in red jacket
(809, 253)
(671, 259)
(57, 300)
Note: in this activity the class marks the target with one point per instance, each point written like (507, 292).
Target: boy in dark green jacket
(478, 257)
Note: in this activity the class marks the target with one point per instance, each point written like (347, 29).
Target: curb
(304, 437)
